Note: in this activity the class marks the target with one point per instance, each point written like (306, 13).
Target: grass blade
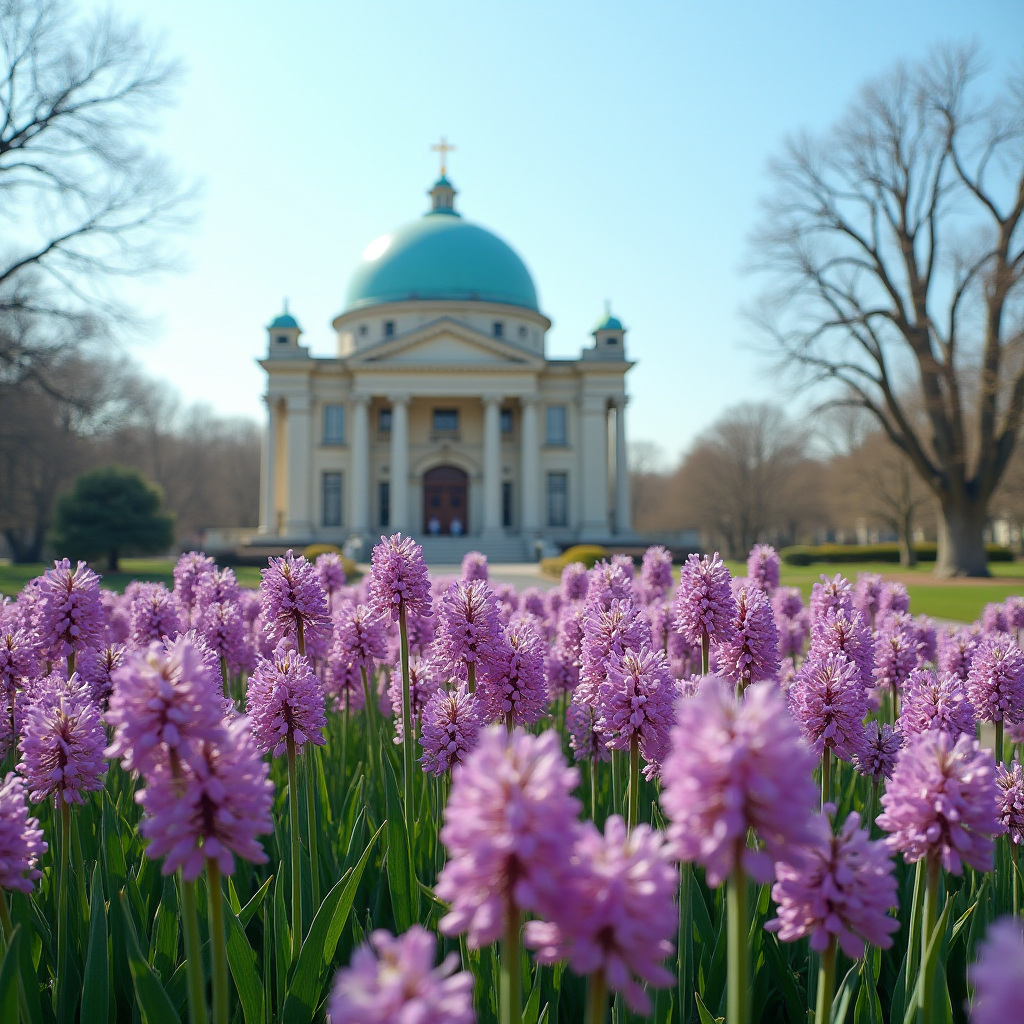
(95, 989)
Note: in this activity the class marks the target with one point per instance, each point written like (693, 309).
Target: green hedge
(808, 555)
(588, 554)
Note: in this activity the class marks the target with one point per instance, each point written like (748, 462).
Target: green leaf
(705, 1016)
(95, 990)
(404, 891)
(242, 961)
(245, 915)
(783, 977)
(163, 947)
(841, 1000)
(931, 957)
(532, 1008)
(319, 945)
(9, 975)
(154, 1003)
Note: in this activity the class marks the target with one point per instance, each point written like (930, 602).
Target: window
(506, 421)
(385, 503)
(282, 339)
(362, 330)
(334, 424)
(506, 503)
(498, 329)
(556, 426)
(558, 499)
(611, 340)
(384, 421)
(522, 332)
(389, 328)
(446, 419)
(332, 499)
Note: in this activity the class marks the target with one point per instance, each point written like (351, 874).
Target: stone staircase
(450, 550)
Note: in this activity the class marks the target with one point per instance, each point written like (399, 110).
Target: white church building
(441, 415)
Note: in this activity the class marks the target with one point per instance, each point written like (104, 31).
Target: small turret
(609, 337)
(284, 332)
(442, 197)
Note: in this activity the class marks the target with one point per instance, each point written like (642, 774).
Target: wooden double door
(445, 501)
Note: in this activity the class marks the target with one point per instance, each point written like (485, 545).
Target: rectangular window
(558, 499)
(384, 421)
(506, 421)
(446, 419)
(334, 424)
(499, 329)
(385, 503)
(332, 499)
(506, 503)
(389, 328)
(556, 432)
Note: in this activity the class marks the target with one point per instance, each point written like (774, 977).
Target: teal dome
(440, 256)
(284, 320)
(607, 323)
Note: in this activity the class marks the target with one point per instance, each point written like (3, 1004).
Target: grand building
(441, 414)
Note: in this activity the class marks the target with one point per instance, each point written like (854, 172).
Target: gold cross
(444, 149)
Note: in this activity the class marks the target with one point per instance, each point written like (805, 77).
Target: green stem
(616, 784)
(344, 743)
(634, 781)
(371, 729)
(511, 982)
(999, 742)
(293, 816)
(63, 916)
(7, 927)
(71, 664)
(826, 983)
(826, 776)
(193, 953)
(597, 998)
(225, 675)
(737, 954)
(705, 660)
(312, 824)
(870, 823)
(471, 675)
(218, 944)
(300, 639)
(931, 915)
(408, 739)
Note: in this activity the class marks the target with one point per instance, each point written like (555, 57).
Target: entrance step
(450, 550)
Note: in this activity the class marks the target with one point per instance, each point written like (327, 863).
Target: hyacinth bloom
(829, 701)
(474, 567)
(532, 599)
(394, 981)
(587, 742)
(835, 594)
(763, 564)
(880, 750)
(751, 653)
(955, 651)
(936, 702)
(927, 639)
(62, 745)
(398, 579)
(792, 633)
(896, 652)
(191, 568)
(655, 574)
(117, 614)
(843, 632)
(213, 809)
(19, 657)
(331, 571)
(153, 613)
(294, 605)
(617, 914)
(468, 632)
(842, 889)
(96, 667)
(736, 765)
(866, 592)
(509, 829)
(284, 703)
(423, 683)
(635, 703)
(164, 702)
(994, 619)
(787, 601)
(515, 689)
(1011, 800)
(21, 838)
(893, 598)
(942, 802)
(449, 729)
(705, 610)
(574, 581)
(607, 632)
(995, 682)
(998, 975)
(360, 637)
(68, 612)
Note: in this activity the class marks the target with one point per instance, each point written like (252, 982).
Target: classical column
(529, 468)
(593, 455)
(299, 521)
(492, 463)
(268, 464)
(359, 461)
(623, 516)
(399, 463)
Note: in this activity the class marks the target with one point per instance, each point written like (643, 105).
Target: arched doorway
(445, 501)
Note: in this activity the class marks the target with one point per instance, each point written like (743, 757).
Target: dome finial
(444, 148)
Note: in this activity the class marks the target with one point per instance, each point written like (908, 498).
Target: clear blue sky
(620, 148)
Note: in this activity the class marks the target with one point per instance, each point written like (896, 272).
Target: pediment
(445, 344)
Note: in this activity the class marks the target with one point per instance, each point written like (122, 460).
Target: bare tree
(82, 201)
(896, 256)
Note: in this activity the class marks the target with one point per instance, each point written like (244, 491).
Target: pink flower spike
(998, 975)
(21, 838)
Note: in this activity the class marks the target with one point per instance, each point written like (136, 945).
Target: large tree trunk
(25, 549)
(908, 556)
(961, 539)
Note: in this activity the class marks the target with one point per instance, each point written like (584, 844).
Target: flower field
(438, 801)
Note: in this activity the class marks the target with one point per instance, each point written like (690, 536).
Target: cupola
(609, 336)
(283, 332)
(442, 197)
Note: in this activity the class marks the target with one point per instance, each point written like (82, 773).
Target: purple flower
(635, 701)
(294, 605)
(995, 683)
(881, 747)
(866, 592)
(892, 598)
(533, 603)
(509, 829)
(842, 889)
(704, 605)
(655, 574)
(190, 569)
(398, 578)
(617, 914)
(763, 565)
(835, 594)
(62, 746)
(1014, 606)
(394, 981)
(829, 701)
(116, 612)
(942, 801)
(19, 658)
(153, 613)
(1011, 800)
(21, 838)
(164, 701)
(474, 567)
(935, 702)
(896, 651)
(752, 652)
(998, 975)
(69, 615)
(217, 615)
(843, 632)
(96, 668)
(787, 602)
(792, 634)
(737, 765)
(449, 729)
(213, 809)
(956, 649)
(993, 618)
(423, 683)
(284, 702)
(607, 632)
(574, 581)
(515, 687)
(468, 632)
(927, 639)
(331, 572)
(360, 637)
(586, 740)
